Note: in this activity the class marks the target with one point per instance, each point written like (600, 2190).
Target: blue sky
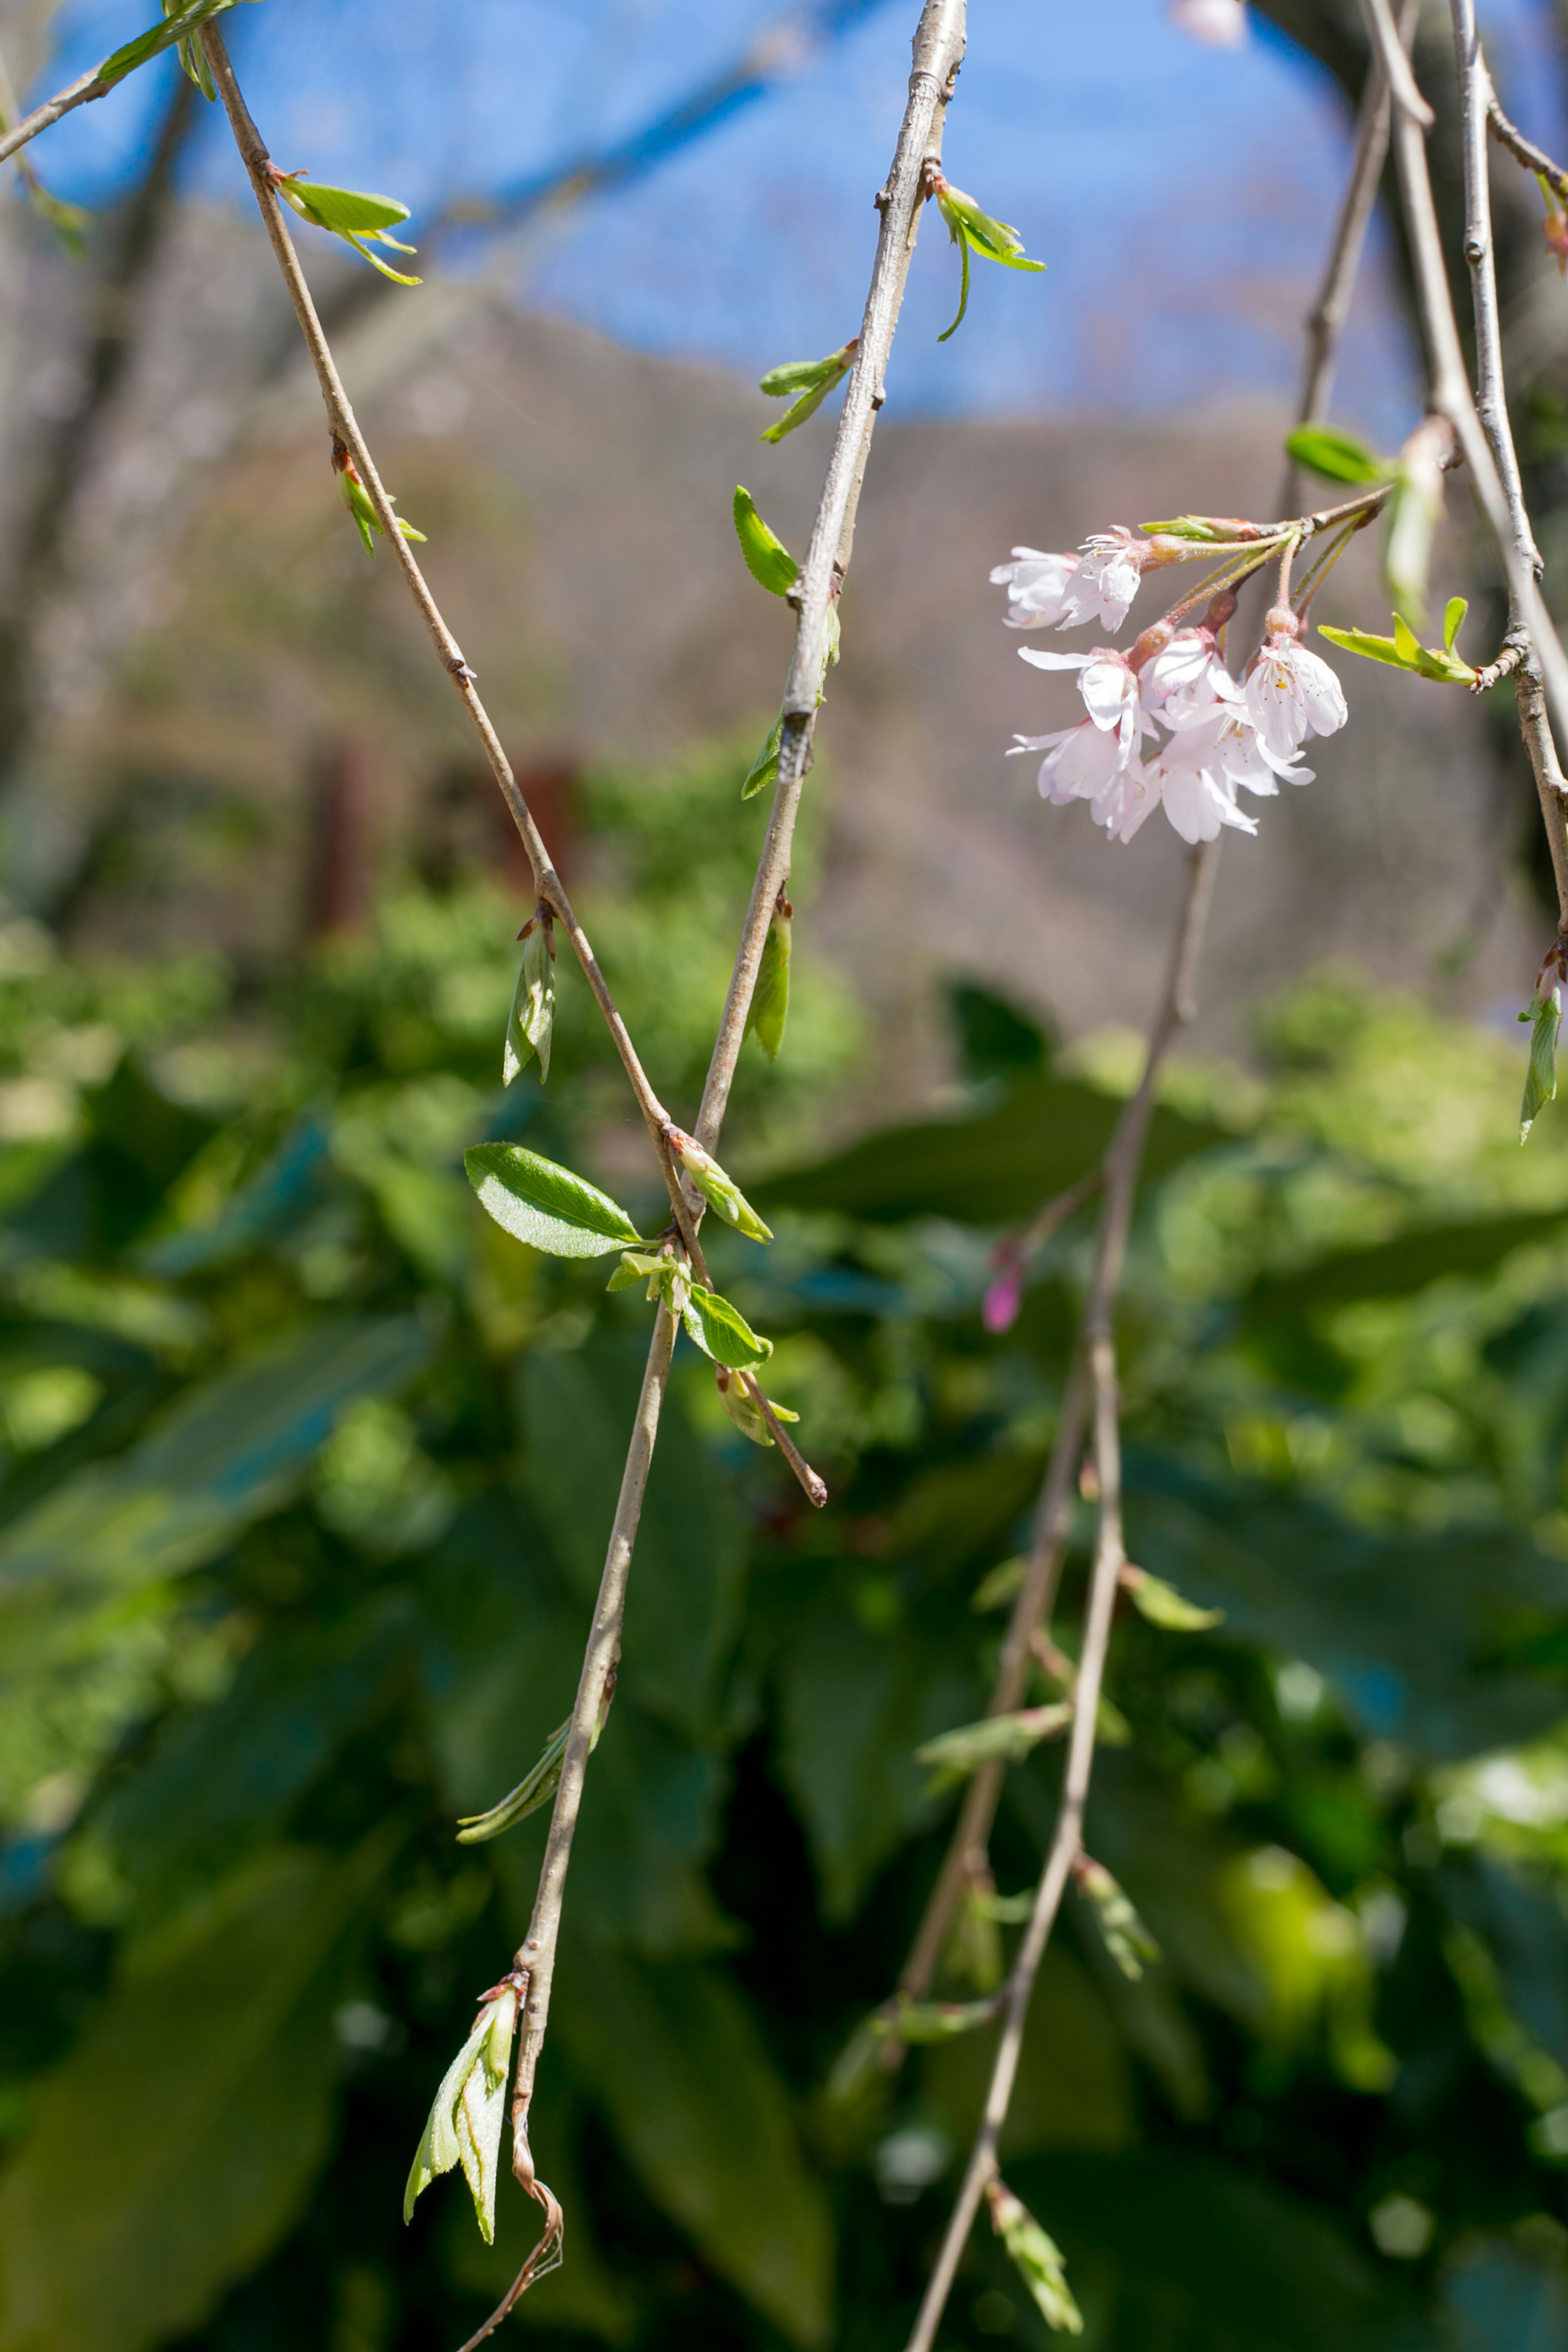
(1180, 196)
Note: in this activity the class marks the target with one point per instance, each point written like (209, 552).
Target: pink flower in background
(1218, 24)
(1291, 693)
(1037, 587)
(999, 1308)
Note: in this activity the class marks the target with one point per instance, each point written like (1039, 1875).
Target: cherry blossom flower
(1186, 675)
(1037, 587)
(1062, 592)
(1218, 24)
(1107, 681)
(1291, 692)
(1091, 764)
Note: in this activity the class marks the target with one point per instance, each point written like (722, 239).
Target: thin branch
(1450, 391)
(86, 87)
(1508, 135)
(965, 1855)
(1067, 1840)
(1326, 320)
(1389, 48)
(938, 51)
(1478, 103)
(345, 431)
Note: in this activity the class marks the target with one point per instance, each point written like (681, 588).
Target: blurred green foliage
(305, 1475)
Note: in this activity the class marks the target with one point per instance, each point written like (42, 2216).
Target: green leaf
(768, 560)
(1004, 1738)
(769, 998)
(531, 1020)
(745, 1415)
(360, 218)
(651, 1267)
(176, 2146)
(995, 239)
(1036, 2257)
(1126, 1939)
(231, 1450)
(921, 2023)
(1163, 1605)
(992, 1170)
(999, 1584)
(705, 2121)
(958, 237)
(468, 2113)
(546, 1206)
(1338, 456)
(1540, 1074)
(1359, 641)
(1202, 528)
(722, 1332)
(723, 1195)
(1397, 1268)
(178, 27)
(537, 1787)
(812, 380)
(1403, 651)
(764, 771)
(1406, 644)
(1411, 517)
(1454, 620)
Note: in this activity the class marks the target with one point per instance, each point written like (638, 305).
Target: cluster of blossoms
(1220, 735)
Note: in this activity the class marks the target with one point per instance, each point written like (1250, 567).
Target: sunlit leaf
(768, 560)
(545, 1205)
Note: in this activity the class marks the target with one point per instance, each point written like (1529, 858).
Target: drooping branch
(938, 52)
(1508, 134)
(1481, 111)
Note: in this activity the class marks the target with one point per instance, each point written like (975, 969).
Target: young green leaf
(764, 771)
(1163, 1605)
(737, 1403)
(768, 560)
(973, 1947)
(1036, 2257)
(1412, 516)
(544, 1205)
(999, 1584)
(970, 228)
(177, 27)
(1403, 651)
(927, 2021)
(1454, 620)
(770, 997)
(1202, 528)
(1545, 1017)
(721, 1193)
(812, 380)
(659, 1272)
(360, 218)
(465, 2121)
(1126, 1939)
(1337, 455)
(1004, 1738)
(356, 498)
(537, 1787)
(532, 1021)
(722, 1332)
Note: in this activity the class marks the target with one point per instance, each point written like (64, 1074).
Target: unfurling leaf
(770, 997)
(973, 1947)
(465, 2124)
(1126, 1939)
(538, 1786)
(664, 1274)
(1454, 620)
(999, 1584)
(1413, 513)
(811, 379)
(721, 1193)
(176, 29)
(547, 1206)
(361, 219)
(768, 560)
(926, 2022)
(737, 1403)
(1545, 1017)
(973, 230)
(1163, 1605)
(1204, 529)
(1007, 1739)
(356, 498)
(764, 771)
(1402, 650)
(1036, 2257)
(722, 1332)
(1338, 456)
(532, 1021)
